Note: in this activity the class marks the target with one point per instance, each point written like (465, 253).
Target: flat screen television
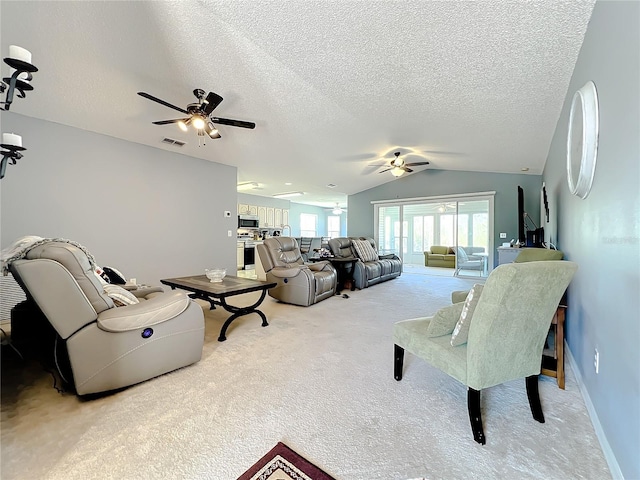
(522, 228)
(530, 237)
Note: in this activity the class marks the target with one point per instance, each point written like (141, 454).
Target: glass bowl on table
(215, 275)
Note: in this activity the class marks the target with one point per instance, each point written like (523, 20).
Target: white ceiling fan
(337, 210)
(398, 167)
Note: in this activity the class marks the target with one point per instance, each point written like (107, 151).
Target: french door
(410, 227)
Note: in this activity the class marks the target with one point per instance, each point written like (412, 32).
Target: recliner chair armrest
(142, 292)
(320, 266)
(389, 256)
(145, 314)
(288, 272)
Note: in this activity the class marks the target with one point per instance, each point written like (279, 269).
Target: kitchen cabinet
(270, 215)
(262, 216)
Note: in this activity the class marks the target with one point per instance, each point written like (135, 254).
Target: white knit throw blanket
(23, 245)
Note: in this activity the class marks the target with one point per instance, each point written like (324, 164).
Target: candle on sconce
(19, 53)
(11, 139)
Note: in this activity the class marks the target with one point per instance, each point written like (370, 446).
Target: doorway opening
(458, 226)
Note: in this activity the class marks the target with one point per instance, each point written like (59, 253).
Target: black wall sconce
(11, 148)
(19, 79)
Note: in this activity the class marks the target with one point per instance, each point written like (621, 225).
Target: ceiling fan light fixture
(397, 171)
(183, 125)
(337, 210)
(397, 162)
(211, 129)
(198, 122)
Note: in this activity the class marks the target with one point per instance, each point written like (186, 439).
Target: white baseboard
(616, 473)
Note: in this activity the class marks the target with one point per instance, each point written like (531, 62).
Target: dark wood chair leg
(534, 398)
(475, 416)
(398, 360)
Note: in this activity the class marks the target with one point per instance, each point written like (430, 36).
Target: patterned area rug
(282, 463)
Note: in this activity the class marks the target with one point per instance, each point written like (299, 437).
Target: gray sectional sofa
(370, 271)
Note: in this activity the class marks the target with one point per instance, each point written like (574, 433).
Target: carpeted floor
(319, 379)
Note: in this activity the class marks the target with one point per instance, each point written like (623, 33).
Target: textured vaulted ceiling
(333, 86)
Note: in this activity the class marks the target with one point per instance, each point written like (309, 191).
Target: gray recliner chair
(109, 346)
(297, 283)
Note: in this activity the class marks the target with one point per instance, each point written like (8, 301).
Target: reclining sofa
(371, 267)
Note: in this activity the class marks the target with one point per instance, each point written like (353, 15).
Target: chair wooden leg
(398, 360)
(534, 398)
(475, 416)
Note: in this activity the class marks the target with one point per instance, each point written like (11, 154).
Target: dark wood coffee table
(217, 294)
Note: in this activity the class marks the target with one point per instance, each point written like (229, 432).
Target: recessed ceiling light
(287, 183)
(525, 169)
(331, 185)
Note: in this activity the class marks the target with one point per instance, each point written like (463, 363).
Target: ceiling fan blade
(166, 122)
(162, 102)
(211, 102)
(415, 164)
(233, 123)
(407, 169)
(386, 169)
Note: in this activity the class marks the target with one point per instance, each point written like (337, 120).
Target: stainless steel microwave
(248, 221)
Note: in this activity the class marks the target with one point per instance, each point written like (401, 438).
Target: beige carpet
(319, 379)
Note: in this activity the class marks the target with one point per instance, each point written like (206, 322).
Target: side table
(554, 366)
(341, 264)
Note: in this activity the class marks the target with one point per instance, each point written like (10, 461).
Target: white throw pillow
(119, 295)
(364, 250)
(461, 332)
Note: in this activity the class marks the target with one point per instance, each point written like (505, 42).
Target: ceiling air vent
(172, 141)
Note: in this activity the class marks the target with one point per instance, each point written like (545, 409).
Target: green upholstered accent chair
(506, 334)
(526, 255)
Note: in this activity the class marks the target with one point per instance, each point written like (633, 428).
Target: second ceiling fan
(398, 167)
(199, 114)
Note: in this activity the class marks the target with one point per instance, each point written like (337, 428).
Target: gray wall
(433, 182)
(601, 233)
(148, 212)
